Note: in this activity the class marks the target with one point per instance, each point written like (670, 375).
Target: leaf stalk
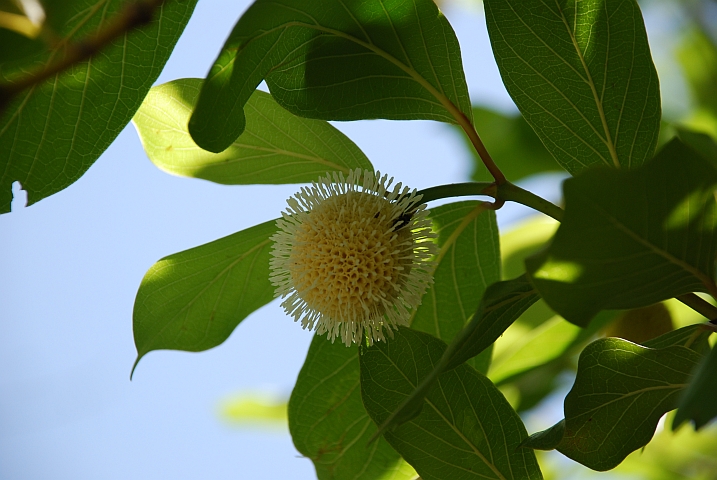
(501, 193)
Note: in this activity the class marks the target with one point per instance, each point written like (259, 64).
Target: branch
(133, 15)
(501, 193)
(700, 305)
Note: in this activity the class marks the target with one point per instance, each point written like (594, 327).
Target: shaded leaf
(698, 404)
(620, 393)
(335, 60)
(329, 424)
(501, 304)
(641, 324)
(513, 145)
(193, 300)
(582, 75)
(631, 238)
(276, 147)
(468, 261)
(52, 133)
(466, 429)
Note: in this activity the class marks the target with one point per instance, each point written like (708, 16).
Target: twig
(699, 305)
(133, 15)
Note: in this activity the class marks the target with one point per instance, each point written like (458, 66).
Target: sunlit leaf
(52, 133)
(276, 147)
(466, 429)
(335, 61)
(632, 238)
(193, 300)
(582, 75)
(329, 424)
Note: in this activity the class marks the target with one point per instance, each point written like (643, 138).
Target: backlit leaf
(467, 429)
(335, 60)
(632, 238)
(501, 304)
(276, 147)
(329, 424)
(52, 133)
(582, 75)
(193, 300)
(620, 393)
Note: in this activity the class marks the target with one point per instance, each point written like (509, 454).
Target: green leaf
(193, 300)
(697, 404)
(694, 337)
(276, 147)
(697, 55)
(582, 75)
(620, 393)
(335, 61)
(541, 345)
(513, 145)
(468, 261)
(632, 238)
(52, 133)
(329, 424)
(466, 430)
(501, 304)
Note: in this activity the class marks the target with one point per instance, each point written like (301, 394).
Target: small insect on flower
(352, 257)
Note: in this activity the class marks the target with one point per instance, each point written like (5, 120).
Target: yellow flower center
(348, 259)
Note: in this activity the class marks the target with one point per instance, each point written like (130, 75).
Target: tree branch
(134, 15)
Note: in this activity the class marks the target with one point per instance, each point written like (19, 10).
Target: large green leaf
(276, 147)
(52, 133)
(513, 145)
(193, 300)
(632, 238)
(582, 75)
(502, 303)
(327, 420)
(468, 261)
(335, 60)
(467, 429)
(698, 402)
(329, 424)
(620, 393)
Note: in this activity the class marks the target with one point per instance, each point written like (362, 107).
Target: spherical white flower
(352, 257)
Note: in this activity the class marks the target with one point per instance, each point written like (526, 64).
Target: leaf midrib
(452, 426)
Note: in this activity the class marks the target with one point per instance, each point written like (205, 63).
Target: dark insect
(402, 220)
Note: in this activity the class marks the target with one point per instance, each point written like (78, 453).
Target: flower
(351, 259)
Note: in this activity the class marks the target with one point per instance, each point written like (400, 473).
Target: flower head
(352, 256)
